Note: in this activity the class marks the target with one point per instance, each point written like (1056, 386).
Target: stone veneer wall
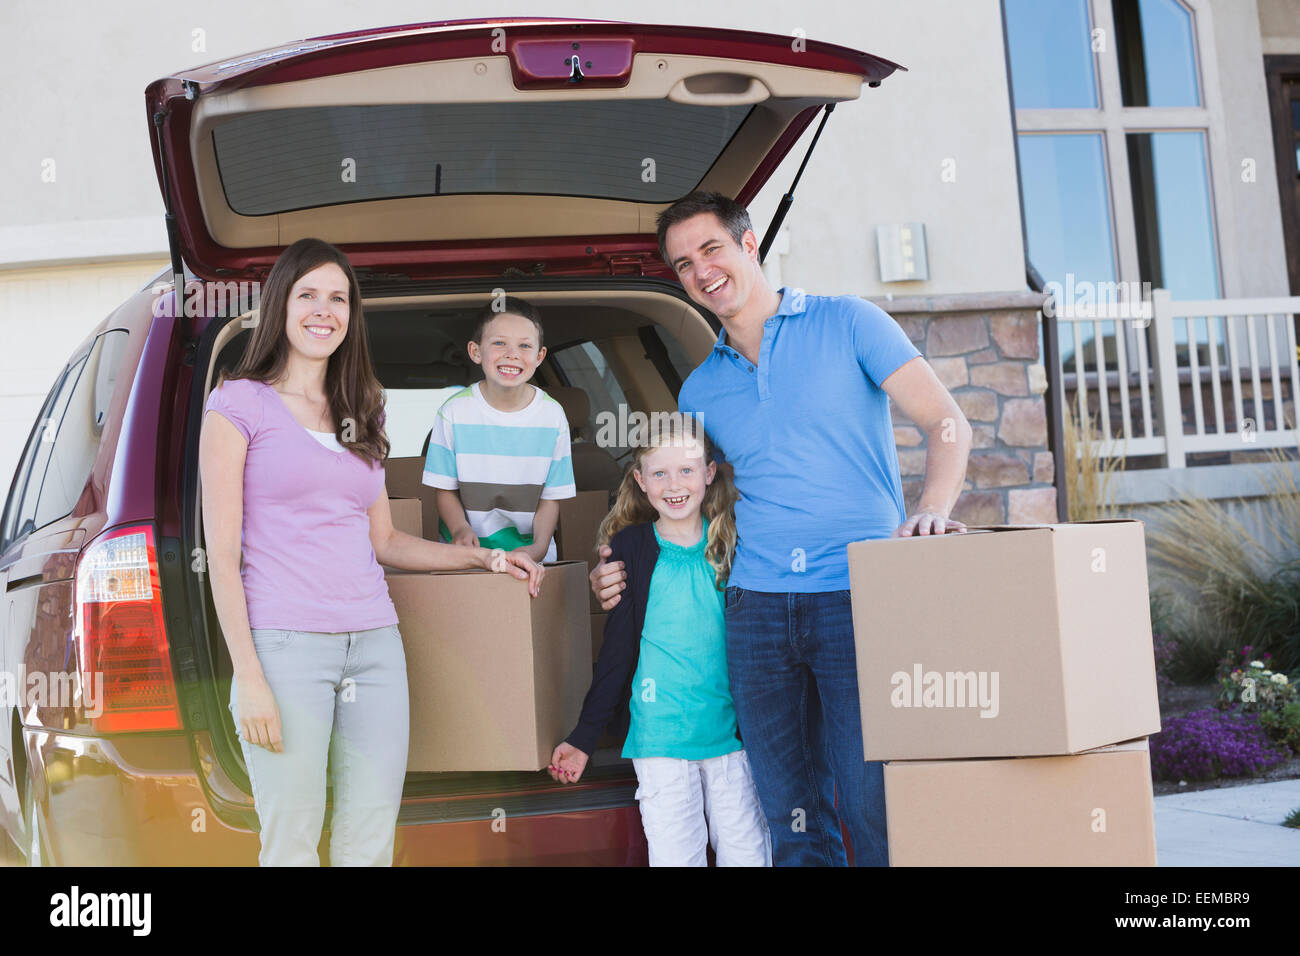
(984, 349)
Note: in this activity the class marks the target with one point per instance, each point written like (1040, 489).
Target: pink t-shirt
(308, 562)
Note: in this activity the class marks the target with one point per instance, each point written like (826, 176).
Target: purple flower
(1206, 744)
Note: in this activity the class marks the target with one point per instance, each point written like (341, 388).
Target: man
(795, 396)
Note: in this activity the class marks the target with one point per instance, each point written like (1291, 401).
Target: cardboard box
(597, 632)
(575, 535)
(580, 518)
(406, 515)
(496, 677)
(1009, 640)
(1092, 809)
(403, 479)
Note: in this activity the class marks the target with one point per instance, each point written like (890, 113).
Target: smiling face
(716, 271)
(316, 315)
(508, 350)
(674, 477)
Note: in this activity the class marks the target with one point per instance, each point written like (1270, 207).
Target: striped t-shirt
(502, 464)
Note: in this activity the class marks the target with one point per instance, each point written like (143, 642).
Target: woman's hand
(519, 565)
(567, 764)
(259, 718)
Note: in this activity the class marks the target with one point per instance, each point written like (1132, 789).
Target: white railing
(1250, 341)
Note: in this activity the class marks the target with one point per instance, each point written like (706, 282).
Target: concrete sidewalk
(1230, 826)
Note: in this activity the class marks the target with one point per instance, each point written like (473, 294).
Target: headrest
(574, 401)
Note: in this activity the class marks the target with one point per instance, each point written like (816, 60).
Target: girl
(290, 458)
(665, 650)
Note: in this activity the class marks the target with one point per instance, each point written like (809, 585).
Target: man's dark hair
(733, 216)
(506, 306)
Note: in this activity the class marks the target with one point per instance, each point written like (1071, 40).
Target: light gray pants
(343, 703)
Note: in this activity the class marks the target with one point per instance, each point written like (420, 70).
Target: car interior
(609, 353)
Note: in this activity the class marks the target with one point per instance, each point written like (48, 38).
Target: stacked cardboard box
(496, 678)
(999, 686)
(406, 516)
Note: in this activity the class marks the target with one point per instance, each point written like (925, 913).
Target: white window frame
(1114, 121)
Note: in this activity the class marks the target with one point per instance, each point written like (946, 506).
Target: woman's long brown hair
(353, 392)
(631, 506)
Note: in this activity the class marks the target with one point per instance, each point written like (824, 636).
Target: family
(728, 655)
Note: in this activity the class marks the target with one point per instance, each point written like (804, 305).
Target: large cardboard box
(407, 515)
(1092, 809)
(403, 479)
(575, 536)
(580, 518)
(1008, 640)
(496, 677)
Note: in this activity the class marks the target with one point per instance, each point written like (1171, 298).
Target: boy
(499, 449)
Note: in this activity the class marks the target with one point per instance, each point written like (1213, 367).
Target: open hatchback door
(468, 147)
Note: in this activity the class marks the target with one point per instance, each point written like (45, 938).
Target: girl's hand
(567, 764)
(259, 718)
(519, 565)
(466, 537)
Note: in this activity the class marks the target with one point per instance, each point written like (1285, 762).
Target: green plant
(1245, 593)
(1283, 725)
(1255, 688)
(1207, 744)
(1293, 819)
(1089, 478)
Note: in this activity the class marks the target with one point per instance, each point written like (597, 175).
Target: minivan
(448, 161)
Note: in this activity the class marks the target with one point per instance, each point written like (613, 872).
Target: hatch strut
(788, 199)
(169, 217)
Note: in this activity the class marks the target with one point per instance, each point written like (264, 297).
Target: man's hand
(466, 537)
(928, 522)
(567, 764)
(607, 580)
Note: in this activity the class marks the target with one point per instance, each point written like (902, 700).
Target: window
(592, 148)
(19, 519)
(1156, 48)
(1051, 61)
(60, 454)
(585, 367)
(80, 429)
(1116, 188)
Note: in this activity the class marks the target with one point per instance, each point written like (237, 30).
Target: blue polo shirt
(809, 435)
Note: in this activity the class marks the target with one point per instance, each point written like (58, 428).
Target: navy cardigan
(607, 701)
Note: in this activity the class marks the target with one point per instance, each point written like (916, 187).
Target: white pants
(686, 804)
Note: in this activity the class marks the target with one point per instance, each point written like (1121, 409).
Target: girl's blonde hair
(631, 506)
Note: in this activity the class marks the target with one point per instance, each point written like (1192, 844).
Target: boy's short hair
(507, 306)
(733, 216)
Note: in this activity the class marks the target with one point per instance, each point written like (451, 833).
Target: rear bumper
(160, 801)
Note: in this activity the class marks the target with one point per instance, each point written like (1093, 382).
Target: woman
(293, 483)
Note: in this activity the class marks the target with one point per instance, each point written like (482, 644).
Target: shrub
(1166, 649)
(1240, 586)
(1251, 685)
(1210, 743)
(1283, 725)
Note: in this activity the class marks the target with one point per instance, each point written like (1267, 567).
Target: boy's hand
(520, 565)
(567, 764)
(607, 580)
(466, 537)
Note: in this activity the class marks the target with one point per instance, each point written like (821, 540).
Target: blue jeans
(343, 703)
(794, 679)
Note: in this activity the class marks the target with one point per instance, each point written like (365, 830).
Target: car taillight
(126, 667)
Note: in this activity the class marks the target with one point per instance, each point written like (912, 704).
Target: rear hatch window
(640, 150)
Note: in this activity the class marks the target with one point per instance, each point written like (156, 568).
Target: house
(1101, 150)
